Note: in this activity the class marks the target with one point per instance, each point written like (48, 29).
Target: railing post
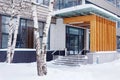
(65, 51)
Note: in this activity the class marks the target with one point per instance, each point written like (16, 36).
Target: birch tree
(13, 8)
(13, 28)
(41, 50)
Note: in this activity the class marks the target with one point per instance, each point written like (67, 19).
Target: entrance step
(71, 60)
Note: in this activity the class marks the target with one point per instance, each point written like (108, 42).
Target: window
(4, 40)
(40, 1)
(118, 25)
(5, 26)
(5, 30)
(118, 3)
(22, 34)
(118, 42)
(112, 1)
(45, 2)
(25, 37)
(60, 4)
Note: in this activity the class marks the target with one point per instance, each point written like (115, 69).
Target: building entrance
(74, 39)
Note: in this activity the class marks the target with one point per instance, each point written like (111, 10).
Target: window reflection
(74, 39)
(5, 27)
(60, 4)
(115, 2)
(118, 3)
(25, 37)
(44, 2)
(112, 1)
(118, 42)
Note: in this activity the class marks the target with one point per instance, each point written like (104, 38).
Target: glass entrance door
(74, 43)
(74, 39)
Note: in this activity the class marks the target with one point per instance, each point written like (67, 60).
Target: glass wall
(74, 39)
(60, 4)
(118, 24)
(118, 42)
(25, 38)
(5, 20)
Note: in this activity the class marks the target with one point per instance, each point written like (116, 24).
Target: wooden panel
(97, 33)
(103, 35)
(93, 35)
(79, 19)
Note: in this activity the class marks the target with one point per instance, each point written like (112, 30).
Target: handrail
(81, 50)
(59, 52)
(54, 52)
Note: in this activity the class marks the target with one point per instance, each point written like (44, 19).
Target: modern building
(25, 33)
(78, 25)
(87, 25)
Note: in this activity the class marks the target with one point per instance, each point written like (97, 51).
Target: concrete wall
(102, 57)
(57, 35)
(106, 5)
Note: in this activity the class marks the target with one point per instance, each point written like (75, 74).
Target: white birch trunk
(13, 30)
(15, 36)
(45, 36)
(37, 40)
(11, 26)
(11, 45)
(41, 53)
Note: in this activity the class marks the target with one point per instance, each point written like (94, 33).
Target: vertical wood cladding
(103, 35)
(102, 32)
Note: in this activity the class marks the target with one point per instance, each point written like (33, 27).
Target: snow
(27, 71)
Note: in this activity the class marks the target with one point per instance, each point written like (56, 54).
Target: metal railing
(59, 51)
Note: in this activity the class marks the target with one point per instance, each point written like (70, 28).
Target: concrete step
(68, 64)
(71, 60)
(64, 60)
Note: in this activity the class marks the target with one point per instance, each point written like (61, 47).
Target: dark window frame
(80, 35)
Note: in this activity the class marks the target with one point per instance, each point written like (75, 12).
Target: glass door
(74, 44)
(74, 39)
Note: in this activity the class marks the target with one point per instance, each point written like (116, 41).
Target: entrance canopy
(102, 31)
(85, 10)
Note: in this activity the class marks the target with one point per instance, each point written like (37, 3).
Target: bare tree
(13, 30)
(41, 50)
(13, 8)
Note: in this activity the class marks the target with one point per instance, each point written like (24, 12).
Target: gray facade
(107, 5)
(26, 10)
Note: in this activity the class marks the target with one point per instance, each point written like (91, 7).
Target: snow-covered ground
(106, 71)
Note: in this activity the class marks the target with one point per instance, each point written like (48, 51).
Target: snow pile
(106, 71)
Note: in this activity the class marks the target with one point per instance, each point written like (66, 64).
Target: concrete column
(87, 39)
(83, 2)
(57, 35)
